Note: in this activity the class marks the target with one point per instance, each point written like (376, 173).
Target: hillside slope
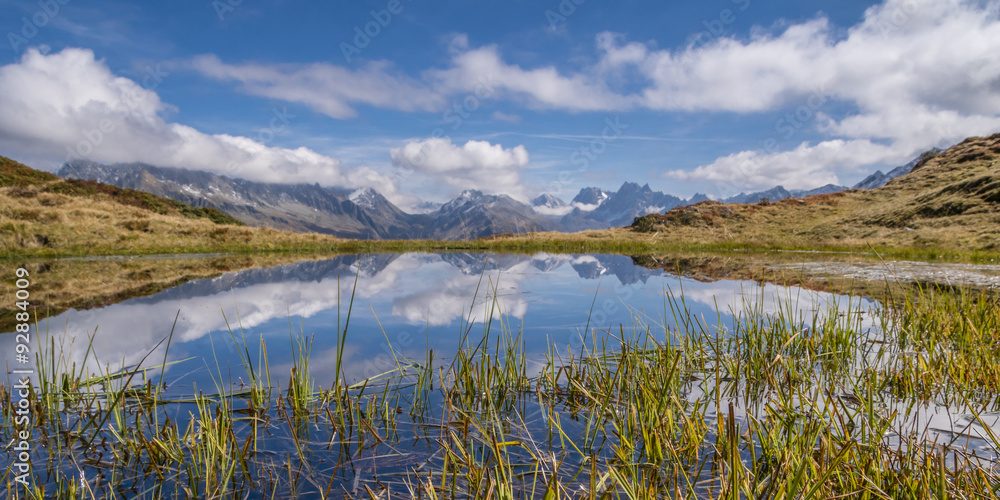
(948, 201)
(300, 208)
(41, 214)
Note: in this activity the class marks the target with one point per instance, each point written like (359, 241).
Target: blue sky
(519, 97)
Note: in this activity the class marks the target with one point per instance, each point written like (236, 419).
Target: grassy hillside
(951, 201)
(41, 214)
(948, 204)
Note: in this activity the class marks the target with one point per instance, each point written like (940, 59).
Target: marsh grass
(772, 404)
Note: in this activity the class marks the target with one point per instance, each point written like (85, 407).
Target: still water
(403, 306)
(413, 302)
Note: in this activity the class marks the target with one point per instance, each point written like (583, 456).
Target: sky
(423, 99)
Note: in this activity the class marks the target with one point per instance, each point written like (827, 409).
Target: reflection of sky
(795, 303)
(420, 301)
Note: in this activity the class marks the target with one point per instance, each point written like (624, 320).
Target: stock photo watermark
(793, 121)
(585, 155)
(562, 13)
(47, 11)
(459, 111)
(224, 7)
(279, 122)
(363, 35)
(599, 318)
(22, 389)
(717, 27)
(898, 18)
(786, 127)
(127, 102)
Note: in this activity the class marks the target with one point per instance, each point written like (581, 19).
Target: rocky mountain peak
(365, 197)
(547, 200)
(591, 196)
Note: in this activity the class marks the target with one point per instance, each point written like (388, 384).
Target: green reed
(773, 404)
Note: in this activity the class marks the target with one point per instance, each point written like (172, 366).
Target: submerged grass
(773, 404)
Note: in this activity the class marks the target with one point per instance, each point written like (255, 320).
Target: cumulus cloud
(450, 298)
(915, 73)
(326, 88)
(805, 167)
(482, 70)
(480, 165)
(921, 73)
(68, 104)
(931, 53)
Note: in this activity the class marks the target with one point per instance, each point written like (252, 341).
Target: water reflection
(414, 302)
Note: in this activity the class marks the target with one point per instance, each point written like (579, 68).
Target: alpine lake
(470, 375)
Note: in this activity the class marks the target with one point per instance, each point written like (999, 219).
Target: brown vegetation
(948, 205)
(950, 202)
(43, 215)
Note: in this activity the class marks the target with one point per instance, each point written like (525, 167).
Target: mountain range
(592, 267)
(366, 214)
(359, 214)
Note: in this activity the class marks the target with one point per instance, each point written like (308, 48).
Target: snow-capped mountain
(473, 215)
(548, 204)
(591, 197)
(362, 213)
(366, 214)
(617, 208)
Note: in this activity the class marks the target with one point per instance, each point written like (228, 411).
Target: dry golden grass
(948, 203)
(51, 224)
(42, 215)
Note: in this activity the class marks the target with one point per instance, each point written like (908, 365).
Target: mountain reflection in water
(414, 301)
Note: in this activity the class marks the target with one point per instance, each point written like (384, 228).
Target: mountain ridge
(358, 214)
(366, 214)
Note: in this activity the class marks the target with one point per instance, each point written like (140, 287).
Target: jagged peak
(364, 197)
(548, 200)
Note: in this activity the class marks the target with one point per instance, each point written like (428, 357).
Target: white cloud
(805, 167)
(450, 298)
(67, 104)
(921, 73)
(553, 211)
(483, 71)
(915, 73)
(585, 207)
(505, 117)
(475, 165)
(327, 88)
(565, 210)
(730, 75)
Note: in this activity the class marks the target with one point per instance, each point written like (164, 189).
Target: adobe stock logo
(223, 7)
(372, 29)
(566, 8)
(47, 10)
(584, 155)
(716, 28)
(127, 102)
(279, 122)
